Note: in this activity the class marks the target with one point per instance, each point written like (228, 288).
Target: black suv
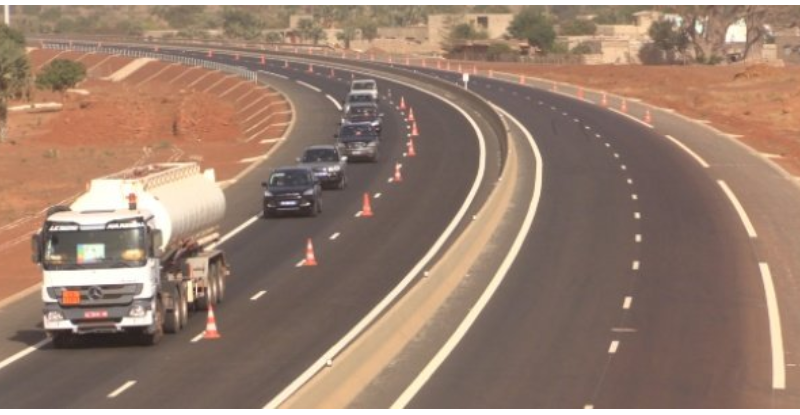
(359, 141)
(292, 189)
(361, 113)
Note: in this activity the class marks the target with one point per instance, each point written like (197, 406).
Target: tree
(497, 51)
(60, 75)
(179, 17)
(578, 28)
(491, 9)
(348, 33)
(310, 30)
(274, 37)
(369, 29)
(534, 27)
(706, 26)
(15, 72)
(237, 23)
(583, 48)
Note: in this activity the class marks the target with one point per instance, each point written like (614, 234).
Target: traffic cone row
(414, 131)
(410, 117)
(402, 103)
(411, 151)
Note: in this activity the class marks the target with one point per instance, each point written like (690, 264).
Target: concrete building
(439, 25)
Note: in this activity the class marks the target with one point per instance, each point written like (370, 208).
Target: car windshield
(357, 130)
(289, 178)
(117, 245)
(359, 98)
(371, 111)
(317, 155)
(363, 85)
(360, 118)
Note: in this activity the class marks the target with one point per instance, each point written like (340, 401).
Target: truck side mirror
(36, 252)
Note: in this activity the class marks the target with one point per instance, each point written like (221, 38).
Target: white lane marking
(623, 330)
(233, 233)
(275, 74)
(335, 236)
(775, 333)
(335, 102)
(553, 108)
(358, 214)
(476, 310)
(309, 86)
(626, 305)
(391, 179)
(616, 155)
(121, 389)
(300, 264)
(638, 238)
(634, 197)
(576, 120)
(637, 215)
(377, 196)
(412, 275)
(739, 209)
(623, 167)
(24, 353)
(688, 150)
(635, 265)
(613, 347)
(598, 135)
(631, 117)
(608, 145)
(258, 295)
(630, 181)
(565, 114)
(197, 338)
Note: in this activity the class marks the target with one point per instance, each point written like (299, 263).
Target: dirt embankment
(160, 112)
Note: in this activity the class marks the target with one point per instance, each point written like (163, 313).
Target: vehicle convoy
(368, 86)
(359, 141)
(366, 112)
(292, 189)
(133, 254)
(357, 97)
(328, 165)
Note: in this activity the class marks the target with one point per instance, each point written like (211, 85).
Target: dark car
(327, 163)
(292, 190)
(359, 141)
(364, 113)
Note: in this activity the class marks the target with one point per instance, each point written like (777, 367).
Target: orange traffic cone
(285, 64)
(411, 151)
(647, 118)
(424, 63)
(263, 60)
(448, 65)
(580, 93)
(604, 101)
(408, 61)
(236, 57)
(402, 103)
(474, 70)
(366, 210)
(410, 114)
(555, 87)
(210, 53)
(414, 131)
(331, 74)
(624, 106)
(491, 73)
(211, 326)
(311, 260)
(310, 68)
(521, 80)
(459, 68)
(398, 177)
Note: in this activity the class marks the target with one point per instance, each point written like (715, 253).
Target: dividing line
(197, 338)
(121, 389)
(688, 150)
(612, 349)
(739, 209)
(421, 379)
(334, 236)
(631, 117)
(309, 86)
(258, 295)
(335, 102)
(24, 353)
(775, 333)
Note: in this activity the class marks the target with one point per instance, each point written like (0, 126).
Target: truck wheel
(151, 339)
(219, 280)
(183, 308)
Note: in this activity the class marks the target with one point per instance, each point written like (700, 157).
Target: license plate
(71, 297)
(96, 314)
(288, 203)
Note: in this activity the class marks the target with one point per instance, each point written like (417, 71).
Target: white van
(365, 86)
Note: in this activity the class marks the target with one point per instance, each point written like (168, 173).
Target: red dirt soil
(161, 112)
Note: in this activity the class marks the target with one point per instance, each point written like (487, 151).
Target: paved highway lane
(638, 286)
(267, 341)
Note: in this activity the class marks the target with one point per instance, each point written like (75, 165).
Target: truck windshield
(69, 247)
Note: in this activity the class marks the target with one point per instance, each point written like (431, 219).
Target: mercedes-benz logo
(95, 293)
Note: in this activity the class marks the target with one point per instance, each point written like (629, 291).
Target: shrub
(60, 75)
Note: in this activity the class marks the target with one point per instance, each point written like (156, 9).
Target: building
(439, 25)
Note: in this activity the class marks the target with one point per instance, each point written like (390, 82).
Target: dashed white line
(587, 127)
(24, 353)
(335, 236)
(739, 209)
(635, 265)
(775, 333)
(635, 196)
(623, 167)
(630, 181)
(300, 264)
(598, 135)
(626, 304)
(608, 145)
(309, 86)
(613, 347)
(391, 179)
(688, 150)
(358, 214)
(638, 238)
(377, 196)
(197, 338)
(637, 215)
(121, 389)
(335, 102)
(616, 155)
(233, 233)
(258, 295)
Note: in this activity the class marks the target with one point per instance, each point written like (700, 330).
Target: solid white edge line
(309, 86)
(121, 389)
(23, 353)
(688, 150)
(588, 406)
(626, 305)
(197, 338)
(751, 231)
(498, 278)
(775, 333)
(233, 233)
(258, 295)
(631, 117)
(274, 74)
(335, 102)
(412, 275)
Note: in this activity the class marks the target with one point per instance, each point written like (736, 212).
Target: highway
(644, 281)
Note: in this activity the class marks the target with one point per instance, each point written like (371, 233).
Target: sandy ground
(161, 112)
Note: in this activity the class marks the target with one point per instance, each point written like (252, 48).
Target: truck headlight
(137, 311)
(54, 316)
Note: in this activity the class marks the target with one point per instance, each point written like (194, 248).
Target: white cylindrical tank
(185, 204)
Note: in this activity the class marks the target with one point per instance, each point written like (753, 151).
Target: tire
(220, 280)
(183, 308)
(172, 318)
(151, 339)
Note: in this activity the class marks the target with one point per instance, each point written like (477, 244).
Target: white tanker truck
(133, 254)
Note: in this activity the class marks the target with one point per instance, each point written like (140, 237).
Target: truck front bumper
(109, 319)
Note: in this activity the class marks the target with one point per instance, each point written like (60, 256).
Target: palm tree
(15, 73)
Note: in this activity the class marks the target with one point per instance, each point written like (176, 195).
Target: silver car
(327, 163)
